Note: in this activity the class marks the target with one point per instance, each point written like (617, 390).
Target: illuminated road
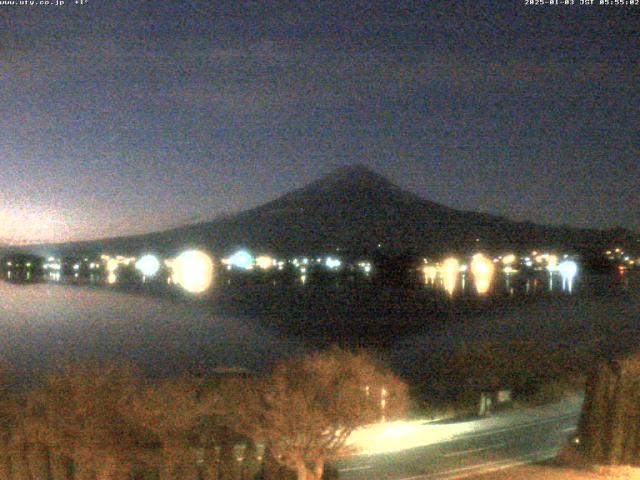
(422, 450)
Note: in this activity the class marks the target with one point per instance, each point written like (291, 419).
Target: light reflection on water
(485, 280)
(602, 314)
(482, 270)
(450, 272)
(42, 322)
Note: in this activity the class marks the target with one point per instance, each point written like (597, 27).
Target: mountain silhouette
(357, 211)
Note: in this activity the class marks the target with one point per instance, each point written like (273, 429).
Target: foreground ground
(422, 450)
(555, 472)
(523, 444)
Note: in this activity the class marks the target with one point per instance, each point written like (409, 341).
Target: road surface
(439, 450)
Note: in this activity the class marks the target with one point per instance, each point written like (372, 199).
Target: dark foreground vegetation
(534, 373)
(609, 429)
(607, 446)
(91, 422)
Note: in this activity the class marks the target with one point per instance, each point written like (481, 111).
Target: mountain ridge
(356, 210)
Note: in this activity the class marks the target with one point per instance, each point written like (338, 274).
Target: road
(439, 450)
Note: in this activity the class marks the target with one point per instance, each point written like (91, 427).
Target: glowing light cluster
(265, 262)
(148, 265)
(482, 270)
(430, 272)
(552, 263)
(509, 259)
(568, 270)
(241, 259)
(52, 264)
(449, 271)
(333, 263)
(365, 267)
(112, 265)
(193, 270)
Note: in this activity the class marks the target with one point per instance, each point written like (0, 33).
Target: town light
(241, 259)
(429, 272)
(265, 262)
(333, 263)
(112, 265)
(568, 270)
(193, 271)
(450, 269)
(509, 259)
(482, 270)
(148, 265)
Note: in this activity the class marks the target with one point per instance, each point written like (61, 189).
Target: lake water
(43, 323)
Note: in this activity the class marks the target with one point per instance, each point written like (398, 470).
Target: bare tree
(77, 414)
(173, 410)
(307, 408)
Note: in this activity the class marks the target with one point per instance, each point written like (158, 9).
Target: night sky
(123, 117)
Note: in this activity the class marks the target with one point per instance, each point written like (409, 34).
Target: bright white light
(193, 271)
(396, 436)
(241, 259)
(568, 270)
(148, 265)
(333, 263)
